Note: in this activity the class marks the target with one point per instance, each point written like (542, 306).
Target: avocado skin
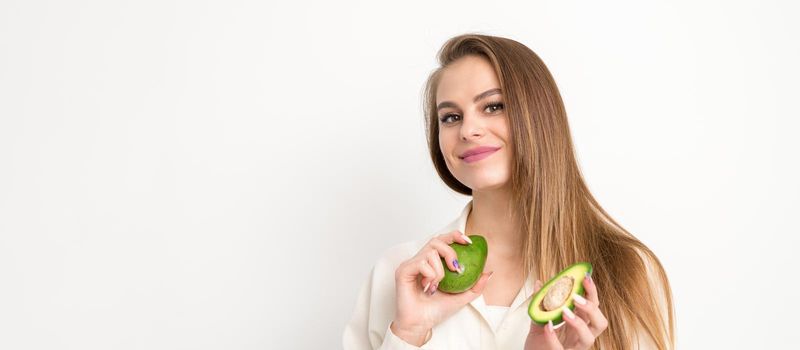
(473, 258)
(556, 315)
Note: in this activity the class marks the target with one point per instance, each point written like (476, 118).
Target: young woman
(497, 131)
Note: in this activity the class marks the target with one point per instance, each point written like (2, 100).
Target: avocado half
(472, 257)
(547, 303)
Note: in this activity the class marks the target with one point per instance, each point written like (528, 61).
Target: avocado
(472, 258)
(546, 304)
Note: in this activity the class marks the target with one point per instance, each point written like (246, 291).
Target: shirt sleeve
(393, 342)
(368, 328)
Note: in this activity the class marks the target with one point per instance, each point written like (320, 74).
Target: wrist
(414, 335)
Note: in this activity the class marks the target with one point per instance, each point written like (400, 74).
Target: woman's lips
(476, 157)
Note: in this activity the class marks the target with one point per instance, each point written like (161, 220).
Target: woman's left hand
(581, 330)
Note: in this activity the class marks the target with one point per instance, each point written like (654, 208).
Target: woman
(497, 131)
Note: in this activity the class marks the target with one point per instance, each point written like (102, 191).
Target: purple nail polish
(455, 263)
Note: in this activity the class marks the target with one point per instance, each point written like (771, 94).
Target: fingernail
(433, 289)
(568, 312)
(550, 326)
(589, 277)
(459, 268)
(490, 276)
(578, 299)
(426, 287)
(466, 238)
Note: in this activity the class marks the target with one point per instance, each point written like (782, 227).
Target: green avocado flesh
(547, 303)
(472, 257)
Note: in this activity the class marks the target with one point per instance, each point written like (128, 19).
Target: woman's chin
(485, 186)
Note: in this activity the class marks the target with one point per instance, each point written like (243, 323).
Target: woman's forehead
(464, 79)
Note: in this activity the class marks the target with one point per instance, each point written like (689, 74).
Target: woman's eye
(496, 105)
(444, 119)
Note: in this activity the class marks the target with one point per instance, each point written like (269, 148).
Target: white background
(223, 174)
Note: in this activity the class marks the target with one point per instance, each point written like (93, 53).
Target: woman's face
(471, 114)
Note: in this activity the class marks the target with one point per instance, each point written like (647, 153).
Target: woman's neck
(491, 217)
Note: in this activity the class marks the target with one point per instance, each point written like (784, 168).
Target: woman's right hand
(419, 307)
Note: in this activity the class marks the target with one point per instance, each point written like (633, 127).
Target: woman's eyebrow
(480, 96)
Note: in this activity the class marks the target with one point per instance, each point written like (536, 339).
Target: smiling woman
(497, 130)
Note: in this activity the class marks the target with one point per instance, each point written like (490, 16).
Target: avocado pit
(557, 294)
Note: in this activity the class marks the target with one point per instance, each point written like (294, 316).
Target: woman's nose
(471, 127)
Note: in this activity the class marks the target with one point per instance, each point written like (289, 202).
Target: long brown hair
(562, 222)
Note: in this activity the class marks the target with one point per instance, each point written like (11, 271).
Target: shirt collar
(461, 222)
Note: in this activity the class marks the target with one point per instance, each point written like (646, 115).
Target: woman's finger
(427, 272)
(454, 236)
(407, 272)
(448, 253)
(435, 261)
(591, 290)
(542, 337)
(537, 285)
(590, 313)
(579, 327)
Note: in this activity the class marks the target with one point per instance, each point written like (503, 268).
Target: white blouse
(475, 326)
(496, 315)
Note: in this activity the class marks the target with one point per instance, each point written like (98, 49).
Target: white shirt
(496, 314)
(475, 326)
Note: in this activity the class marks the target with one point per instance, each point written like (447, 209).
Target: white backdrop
(223, 174)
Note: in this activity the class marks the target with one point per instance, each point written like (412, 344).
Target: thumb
(536, 330)
(537, 285)
(477, 289)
